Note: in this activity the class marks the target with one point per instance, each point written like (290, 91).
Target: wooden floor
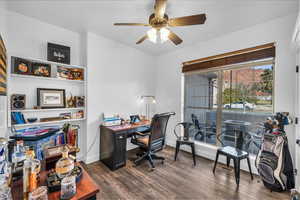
(177, 180)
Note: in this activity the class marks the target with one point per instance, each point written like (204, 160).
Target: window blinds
(241, 56)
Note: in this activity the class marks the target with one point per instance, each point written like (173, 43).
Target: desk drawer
(120, 149)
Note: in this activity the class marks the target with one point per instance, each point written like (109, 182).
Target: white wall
(168, 88)
(3, 19)
(28, 37)
(3, 32)
(117, 76)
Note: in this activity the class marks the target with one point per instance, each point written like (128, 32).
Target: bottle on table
(31, 169)
(64, 165)
(19, 153)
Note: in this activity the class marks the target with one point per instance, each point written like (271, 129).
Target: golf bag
(273, 161)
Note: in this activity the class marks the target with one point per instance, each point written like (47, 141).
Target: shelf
(45, 123)
(45, 78)
(49, 110)
(50, 62)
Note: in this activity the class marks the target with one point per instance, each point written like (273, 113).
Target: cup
(68, 187)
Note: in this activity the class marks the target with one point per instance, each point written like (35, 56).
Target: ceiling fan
(160, 23)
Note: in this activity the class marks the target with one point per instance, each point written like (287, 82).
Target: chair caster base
(151, 169)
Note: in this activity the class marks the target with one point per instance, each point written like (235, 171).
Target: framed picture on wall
(3, 68)
(51, 98)
(40, 69)
(58, 53)
(21, 66)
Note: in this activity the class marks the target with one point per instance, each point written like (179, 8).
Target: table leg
(176, 150)
(194, 154)
(216, 161)
(240, 140)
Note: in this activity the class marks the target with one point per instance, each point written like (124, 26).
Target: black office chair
(203, 129)
(154, 140)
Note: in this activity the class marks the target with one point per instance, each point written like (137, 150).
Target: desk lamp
(148, 100)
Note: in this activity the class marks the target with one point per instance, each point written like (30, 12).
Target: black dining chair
(185, 139)
(152, 141)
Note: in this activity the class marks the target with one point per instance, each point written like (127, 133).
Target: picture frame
(63, 72)
(21, 66)
(80, 101)
(58, 53)
(77, 74)
(51, 98)
(70, 73)
(3, 68)
(41, 69)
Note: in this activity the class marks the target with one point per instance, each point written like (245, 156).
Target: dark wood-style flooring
(177, 180)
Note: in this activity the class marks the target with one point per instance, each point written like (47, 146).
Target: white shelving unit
(28, 84)
(49, 110)
(45, 78)
(48, 62)
(47, 123)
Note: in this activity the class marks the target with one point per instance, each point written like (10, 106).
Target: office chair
(152, 141)
(202, 129)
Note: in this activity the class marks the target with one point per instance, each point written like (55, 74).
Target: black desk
(113, 142)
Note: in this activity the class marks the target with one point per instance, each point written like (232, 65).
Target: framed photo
(80, 101)
(58, 53)
(63, 72)
(51, 98)
(40, 69)
(21, 66)
(3, 68)
(77, 74)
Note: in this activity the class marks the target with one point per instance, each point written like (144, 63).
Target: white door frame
(296, 44)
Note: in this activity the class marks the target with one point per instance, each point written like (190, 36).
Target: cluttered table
(86, 188)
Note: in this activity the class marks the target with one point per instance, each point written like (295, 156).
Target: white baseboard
(91, 159)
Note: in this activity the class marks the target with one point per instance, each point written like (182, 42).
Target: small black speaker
(18, 101)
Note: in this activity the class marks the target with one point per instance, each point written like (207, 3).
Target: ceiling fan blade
(130, 24)
(142, 39)
(174, 38)
(160, 8)
(188, 20)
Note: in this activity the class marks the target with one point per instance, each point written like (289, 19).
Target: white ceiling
(98, 16)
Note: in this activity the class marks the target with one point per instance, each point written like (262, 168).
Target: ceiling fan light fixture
(160, 23)
(164, 34)
(152, 35)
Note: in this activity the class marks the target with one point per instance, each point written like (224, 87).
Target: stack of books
(112, 121)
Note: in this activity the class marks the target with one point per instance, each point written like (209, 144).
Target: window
(227, 106)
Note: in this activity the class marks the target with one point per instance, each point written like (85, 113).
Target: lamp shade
(148, 99)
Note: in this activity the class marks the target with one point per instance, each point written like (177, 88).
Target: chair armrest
(137, 134)
(141, 134)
